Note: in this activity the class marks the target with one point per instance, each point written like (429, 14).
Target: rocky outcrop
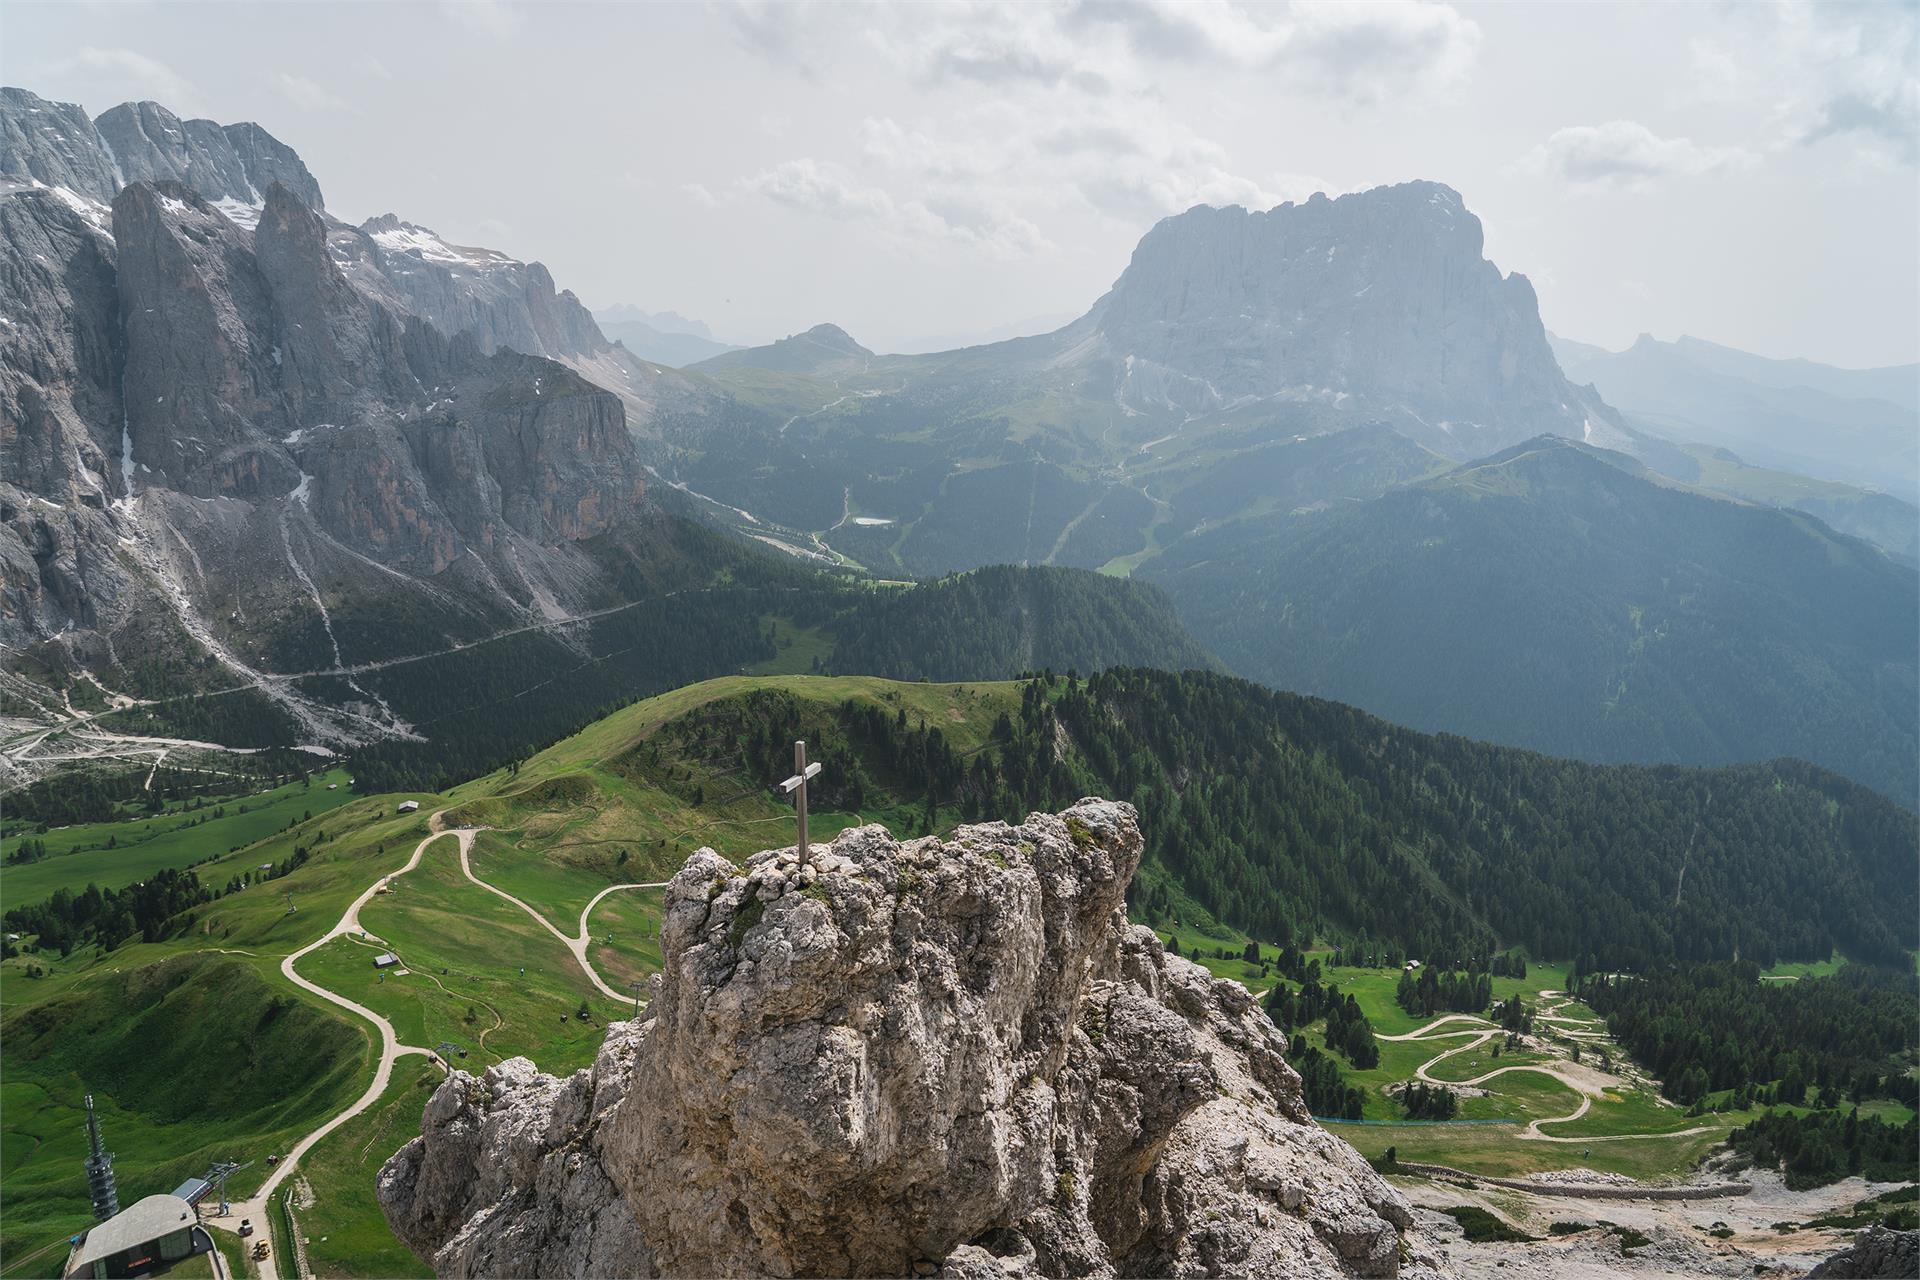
(951, 1055)
(60, 415)
(183, 390)
(1877, 1254)
(255, 371)
(498, 301)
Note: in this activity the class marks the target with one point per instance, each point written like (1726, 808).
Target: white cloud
(1349, 52)
(495, 19)
(1123, 157)
(144, 77)
(828, 190)
(1835, 71)
(1625, 153)
(1057, 107)
(306, 94)
(1361, 52)
(782, 31)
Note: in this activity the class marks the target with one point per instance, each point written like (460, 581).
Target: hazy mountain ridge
(1227, 330)
(663, 337)
(1557, 598)
(1858, 427)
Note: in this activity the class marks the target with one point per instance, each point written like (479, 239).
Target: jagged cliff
(223, 429)
(1379, 303)
(948, 1055)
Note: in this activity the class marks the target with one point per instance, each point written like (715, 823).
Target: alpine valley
(1243, 714)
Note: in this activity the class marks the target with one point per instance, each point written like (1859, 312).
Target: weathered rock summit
(950, 1055)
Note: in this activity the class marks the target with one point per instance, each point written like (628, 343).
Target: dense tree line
(1517, 1020)
(1325, 1090)
(1283, 815)
(1429, 1101)
(1715, 1027)
(1426, 991)
(1825, 1146)
(28, 850)
(1348, 1031)
(879, 756)
(103, 794)
(480, 707)
(111, 916)
(1001, 620)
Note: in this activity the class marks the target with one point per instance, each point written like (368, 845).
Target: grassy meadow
(78, 855)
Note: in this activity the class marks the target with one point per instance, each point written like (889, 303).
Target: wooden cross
(797, 787)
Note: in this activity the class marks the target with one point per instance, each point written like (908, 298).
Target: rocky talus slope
(950, 1055)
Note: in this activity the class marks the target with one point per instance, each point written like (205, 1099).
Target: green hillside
(1561, 599)
(1267, 815)
(191, 1059)
(1277, 815)
(489, 703)
(631, 796)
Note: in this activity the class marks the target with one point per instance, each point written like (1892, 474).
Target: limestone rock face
(1878, 1252)
(1377, 302)
(229, 422)
(232, 162)
(948, 1055)
(53, 144)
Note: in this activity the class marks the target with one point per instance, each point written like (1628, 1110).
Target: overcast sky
(1744, 173)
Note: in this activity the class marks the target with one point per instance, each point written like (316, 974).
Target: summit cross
(796, 786)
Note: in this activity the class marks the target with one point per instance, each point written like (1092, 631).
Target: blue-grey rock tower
(106, 1196)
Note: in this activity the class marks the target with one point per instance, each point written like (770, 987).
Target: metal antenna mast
(100, 1184)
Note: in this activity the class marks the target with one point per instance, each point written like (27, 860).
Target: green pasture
(435, 919)
(78, 856)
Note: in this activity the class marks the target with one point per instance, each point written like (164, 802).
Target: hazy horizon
(1741, 174)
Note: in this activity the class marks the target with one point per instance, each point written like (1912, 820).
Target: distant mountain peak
(816, 350)
(833, 337)
(658, 321)
(1380, 301)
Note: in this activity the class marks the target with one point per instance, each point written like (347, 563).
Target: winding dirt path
(576, 943)
(256, 1208)
(1587, 1082)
